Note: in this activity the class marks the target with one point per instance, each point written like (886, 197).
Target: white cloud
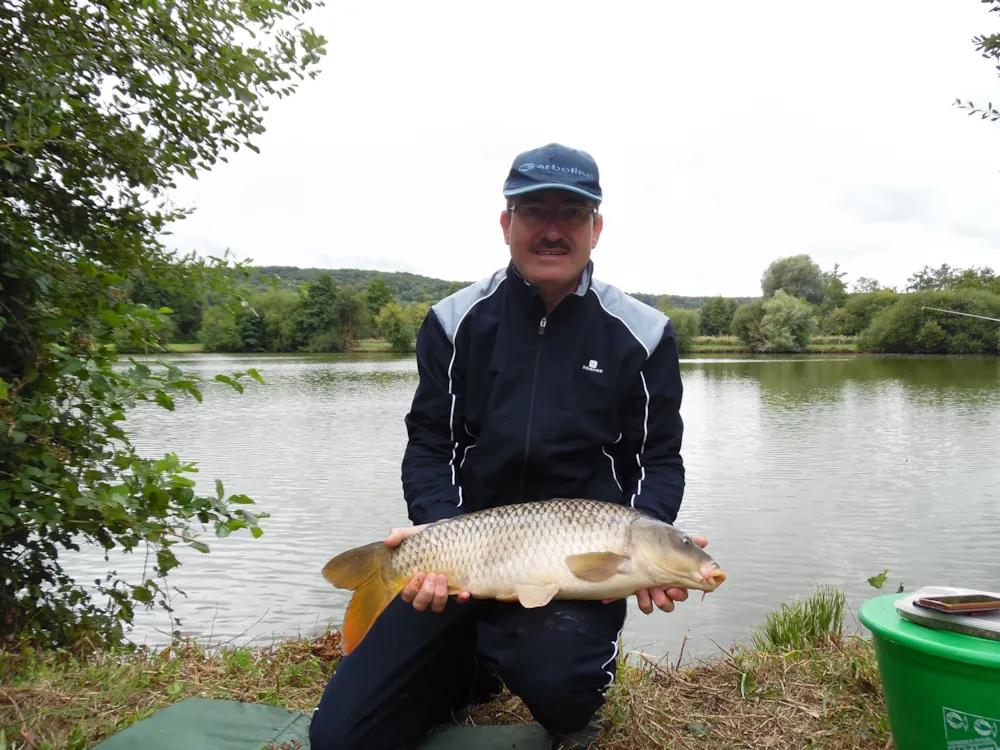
(725, 138)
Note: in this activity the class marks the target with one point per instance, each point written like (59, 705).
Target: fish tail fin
(362, 570)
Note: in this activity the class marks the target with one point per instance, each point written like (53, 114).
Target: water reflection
(800, 471)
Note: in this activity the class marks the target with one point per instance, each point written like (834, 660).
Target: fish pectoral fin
(535, 595)
(596, 566)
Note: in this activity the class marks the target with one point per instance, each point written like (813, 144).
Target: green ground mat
(198, 723)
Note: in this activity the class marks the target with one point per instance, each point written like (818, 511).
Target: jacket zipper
(531, 403)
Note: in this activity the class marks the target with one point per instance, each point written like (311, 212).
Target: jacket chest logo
(592, 366)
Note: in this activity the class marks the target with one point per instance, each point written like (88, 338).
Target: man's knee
(560, 663)
(328, 730)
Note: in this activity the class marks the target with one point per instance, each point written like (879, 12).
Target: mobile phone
(960, 603)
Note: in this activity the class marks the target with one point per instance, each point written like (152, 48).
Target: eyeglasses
(564, 213)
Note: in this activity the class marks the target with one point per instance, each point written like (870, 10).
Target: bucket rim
(882, 618)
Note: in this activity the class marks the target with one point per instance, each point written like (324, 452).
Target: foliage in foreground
(823, 693)
(103, 107)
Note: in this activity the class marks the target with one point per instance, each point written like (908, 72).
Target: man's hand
(423, 589)
(664, 598)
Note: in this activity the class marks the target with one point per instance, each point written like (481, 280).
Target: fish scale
(529, 552)
(499, 546)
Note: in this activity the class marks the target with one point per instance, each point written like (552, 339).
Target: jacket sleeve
(433, 424)
(652, 418)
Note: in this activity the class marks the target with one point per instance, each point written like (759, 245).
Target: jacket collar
(526, 294)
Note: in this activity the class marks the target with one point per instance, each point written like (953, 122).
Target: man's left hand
(664, 598)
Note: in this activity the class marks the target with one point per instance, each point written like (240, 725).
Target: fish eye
(686, 540)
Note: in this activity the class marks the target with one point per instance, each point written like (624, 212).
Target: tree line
(291, 309)
(321, 316)
(799, 300)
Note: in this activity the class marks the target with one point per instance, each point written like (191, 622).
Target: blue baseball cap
(554, 166)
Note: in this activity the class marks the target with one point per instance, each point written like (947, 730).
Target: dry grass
(828, 697)
(64, 700)
(825, 694)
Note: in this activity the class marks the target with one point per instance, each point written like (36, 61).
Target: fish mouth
(712, 576)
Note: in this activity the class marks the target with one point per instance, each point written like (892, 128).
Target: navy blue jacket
(514, 406)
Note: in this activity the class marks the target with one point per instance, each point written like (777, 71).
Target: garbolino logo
(528, 166)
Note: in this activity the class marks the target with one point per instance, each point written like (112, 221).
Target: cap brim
(551, 186)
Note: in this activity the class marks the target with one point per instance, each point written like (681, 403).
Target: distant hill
(406, 287)
(411, 287)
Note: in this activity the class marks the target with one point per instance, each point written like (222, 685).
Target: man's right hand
(423, 588)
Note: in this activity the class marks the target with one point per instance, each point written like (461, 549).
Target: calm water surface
(799, 471)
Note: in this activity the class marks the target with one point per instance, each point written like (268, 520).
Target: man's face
(550, 247)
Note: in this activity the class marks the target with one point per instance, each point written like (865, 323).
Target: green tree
(798, 275)
(251, 332)
(931, 279)
(316, 321)
(415, 314)
(864, 285)
(717, 316)
(102, 107)
(834, 289)
(218, 330)
(377, 296)
(350, 314)
(746, 324)
(278, 309)
(787, 325)
(394, 325)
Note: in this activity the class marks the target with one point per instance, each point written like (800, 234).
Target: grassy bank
(732, 345)
(184, 348)
(371, 345)
(800, 682)
(700, 345)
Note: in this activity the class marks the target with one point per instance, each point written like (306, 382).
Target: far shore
(700, 345)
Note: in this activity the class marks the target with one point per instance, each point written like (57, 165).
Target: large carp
(531, 553)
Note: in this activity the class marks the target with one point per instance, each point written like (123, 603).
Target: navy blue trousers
(414, 668)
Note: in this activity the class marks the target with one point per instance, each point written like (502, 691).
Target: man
(537, 382)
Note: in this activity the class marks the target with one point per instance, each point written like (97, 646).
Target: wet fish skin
(529, 552)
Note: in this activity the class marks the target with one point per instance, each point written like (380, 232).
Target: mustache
(550, 245)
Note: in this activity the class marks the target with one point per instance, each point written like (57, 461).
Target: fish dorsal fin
(596, 566)
(535, 595)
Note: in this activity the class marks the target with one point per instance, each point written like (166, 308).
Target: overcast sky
(726, 137)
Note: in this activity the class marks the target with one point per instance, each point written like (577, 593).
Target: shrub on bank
(780, 324)
(906, 327)
(858, 312)
(686, 327)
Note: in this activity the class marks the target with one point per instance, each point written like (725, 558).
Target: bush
(781, 324)
(861, 310)
(906, 327)
(746, 324)
(395, 327)
(788, 323)
(115, 105)
(686, 327)
(716, 316)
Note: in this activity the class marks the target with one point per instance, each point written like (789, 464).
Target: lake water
(799, 471)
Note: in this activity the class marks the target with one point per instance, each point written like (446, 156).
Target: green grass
(732, 345)
(182, 347)
(701, 345)
(800, 683)
(372, 345)
(803, 623)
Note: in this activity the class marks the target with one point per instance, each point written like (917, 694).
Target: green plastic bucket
(942, 689)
